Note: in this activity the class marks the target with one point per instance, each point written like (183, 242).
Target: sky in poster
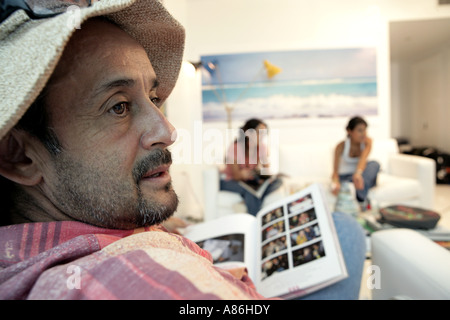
(312, 83)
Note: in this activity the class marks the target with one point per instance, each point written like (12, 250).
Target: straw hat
(30, 49)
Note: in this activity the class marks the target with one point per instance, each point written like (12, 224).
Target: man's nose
(159, 130)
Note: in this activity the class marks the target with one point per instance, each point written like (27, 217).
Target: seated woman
(246, 165)
(351, 161)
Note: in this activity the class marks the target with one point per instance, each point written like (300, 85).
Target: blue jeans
(353, 244)
(253, 203)
(369, 175)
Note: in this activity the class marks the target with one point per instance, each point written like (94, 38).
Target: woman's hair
(244, 133)
(354, 122)
(250, 124)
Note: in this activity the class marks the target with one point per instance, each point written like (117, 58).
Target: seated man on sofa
(85, 164)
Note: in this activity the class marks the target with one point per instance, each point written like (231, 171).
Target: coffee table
(370, 220)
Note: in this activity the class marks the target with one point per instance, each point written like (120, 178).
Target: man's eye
(120, 108)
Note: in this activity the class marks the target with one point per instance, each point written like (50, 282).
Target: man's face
(103, 107)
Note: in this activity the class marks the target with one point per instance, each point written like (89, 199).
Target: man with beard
(84, 158)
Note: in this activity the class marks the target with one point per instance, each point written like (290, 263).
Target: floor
(442, 206)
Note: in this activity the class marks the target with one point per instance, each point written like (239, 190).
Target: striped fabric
(72, 260)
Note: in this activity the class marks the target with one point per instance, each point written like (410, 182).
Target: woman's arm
(335, 186)
(357, 176)
(364, 156)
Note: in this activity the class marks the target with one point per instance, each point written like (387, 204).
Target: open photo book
(290, 248)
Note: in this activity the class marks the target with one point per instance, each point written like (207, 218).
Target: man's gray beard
(97, 197)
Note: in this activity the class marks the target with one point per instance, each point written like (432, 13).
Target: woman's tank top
(348, 164)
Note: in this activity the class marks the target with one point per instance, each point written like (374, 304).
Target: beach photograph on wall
(290, 84)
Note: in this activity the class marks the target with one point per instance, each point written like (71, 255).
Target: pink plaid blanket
(72, 260)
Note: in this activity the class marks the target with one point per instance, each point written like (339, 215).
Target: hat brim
(31, 49)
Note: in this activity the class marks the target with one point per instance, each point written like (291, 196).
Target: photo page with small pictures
(290, 248)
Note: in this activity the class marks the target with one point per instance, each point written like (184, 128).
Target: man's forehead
(121, 82)
(99, 45)
(100, 36)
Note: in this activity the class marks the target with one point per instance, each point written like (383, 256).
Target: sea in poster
(312, 83)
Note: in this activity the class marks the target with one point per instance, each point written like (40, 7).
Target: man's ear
(18, 161)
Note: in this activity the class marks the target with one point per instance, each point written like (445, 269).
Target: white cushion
(382, 149)
(394, 189)
(410, 265)
(228, 198)
(306, 159)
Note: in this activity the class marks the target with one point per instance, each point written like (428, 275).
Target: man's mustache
(155, 159)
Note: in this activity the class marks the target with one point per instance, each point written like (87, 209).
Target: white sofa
(403, 179)
(407, 265)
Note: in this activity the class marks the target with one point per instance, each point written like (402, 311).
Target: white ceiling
(410, 40)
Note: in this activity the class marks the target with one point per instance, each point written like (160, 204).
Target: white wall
(422, 97)
(238, 26)
(430, 101)
(234, 26)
